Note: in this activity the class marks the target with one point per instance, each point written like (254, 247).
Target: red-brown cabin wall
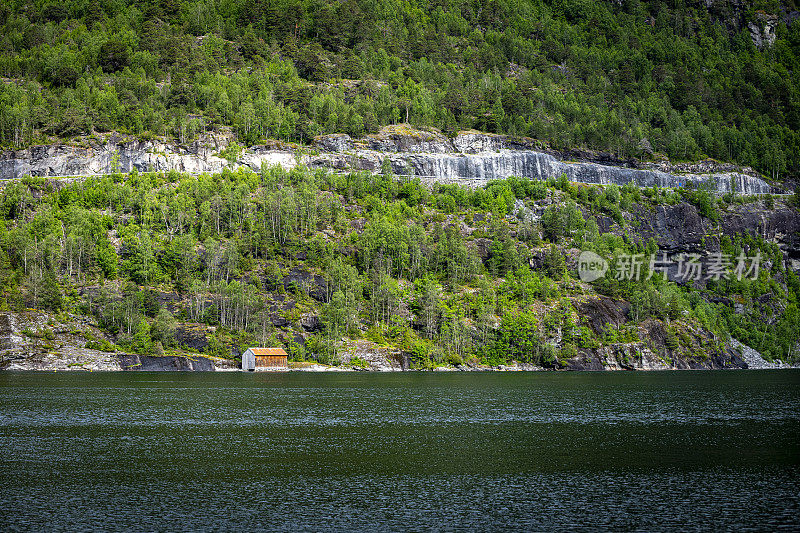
(271, 361)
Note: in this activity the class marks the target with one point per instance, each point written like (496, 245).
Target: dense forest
(308, 260)
(640, 79)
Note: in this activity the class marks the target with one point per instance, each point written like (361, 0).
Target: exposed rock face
(680, 229)
(471, 158)
(475, 158)
(192, 335)
(637, 356)
(65, 359)
(401, 138)
(311, 323)
(603, 312)
(700, 350)
(781, 225)
(313, 285)
(117, 154)
(762, 32)
(754, 360)
(377, 358)
(478, 168)
(10, 337)
(483, 247)
(337, 142)
(33, 341)
(165, 363)
(675, 228)
(36, 341)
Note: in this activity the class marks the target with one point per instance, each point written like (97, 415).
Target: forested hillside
(314, 261)
(638, 79)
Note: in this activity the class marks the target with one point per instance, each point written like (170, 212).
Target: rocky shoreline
(37, 341)
(75, 358)
(204, 364)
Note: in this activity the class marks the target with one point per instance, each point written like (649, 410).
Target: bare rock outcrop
(470, 158)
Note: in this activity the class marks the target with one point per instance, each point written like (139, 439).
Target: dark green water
(403, 451)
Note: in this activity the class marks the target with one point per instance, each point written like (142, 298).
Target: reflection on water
(404, 451)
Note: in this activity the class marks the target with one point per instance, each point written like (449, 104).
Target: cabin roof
(268, 351)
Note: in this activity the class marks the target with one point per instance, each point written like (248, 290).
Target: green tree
(554, 263)
(163, 328)
(113, 56)
(141, 342)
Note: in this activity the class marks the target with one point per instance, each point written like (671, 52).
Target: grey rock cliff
(762, 31)
(117, 154)
(471, 158)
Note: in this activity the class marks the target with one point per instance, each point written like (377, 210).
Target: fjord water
(400, 451)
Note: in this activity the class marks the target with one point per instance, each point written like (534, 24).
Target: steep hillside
(367, 270)
(635, 79)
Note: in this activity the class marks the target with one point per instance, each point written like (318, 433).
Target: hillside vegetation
(638, 79)
(447, 275)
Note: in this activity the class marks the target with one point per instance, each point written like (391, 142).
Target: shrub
(568, 351)
(375, 334)
(704, 201)
(102, 345)
(586, 338)
(357, 362)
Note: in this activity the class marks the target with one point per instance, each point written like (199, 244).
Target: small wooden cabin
(265, 359)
